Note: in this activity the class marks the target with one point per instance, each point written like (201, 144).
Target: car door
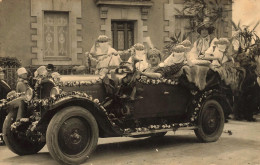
(160, 100)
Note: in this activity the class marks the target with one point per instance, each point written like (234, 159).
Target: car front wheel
(72, 135)
(210, 122)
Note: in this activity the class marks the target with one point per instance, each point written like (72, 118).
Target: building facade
(39, 32)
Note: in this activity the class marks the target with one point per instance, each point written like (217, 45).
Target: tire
(210, 122)
(18, 145)
(72, 135)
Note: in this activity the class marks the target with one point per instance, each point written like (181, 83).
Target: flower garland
(146, 80)
(13, 96)
(63, 96)
(79, 83)
(198, 104)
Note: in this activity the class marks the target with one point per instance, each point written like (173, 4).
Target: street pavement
(238, 145)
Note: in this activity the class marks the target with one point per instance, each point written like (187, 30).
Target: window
(122, 34)
(56, 34)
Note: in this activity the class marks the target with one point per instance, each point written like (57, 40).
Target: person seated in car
(110, 61)
(171, 67)
(204, 43)
(219, 56)
(138, 54)
(154, 58)
(98, 50)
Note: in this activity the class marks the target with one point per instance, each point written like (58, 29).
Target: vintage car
(70, 114)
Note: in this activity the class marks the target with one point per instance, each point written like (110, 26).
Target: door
(122, 34)
(160, 100)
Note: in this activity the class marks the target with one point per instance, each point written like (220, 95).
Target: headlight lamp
(54, 91)
(29, 94)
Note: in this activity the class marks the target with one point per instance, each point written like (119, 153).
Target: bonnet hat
(102, 38)
(186, 44)
(179, 49)
(138, 46)
(222, 43)
(154, 51)
(21, 71)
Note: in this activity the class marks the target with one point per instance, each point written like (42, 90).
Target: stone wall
(21, 25)
(15, 30)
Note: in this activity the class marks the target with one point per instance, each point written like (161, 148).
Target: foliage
(246, 37)
(175, 40)
(9, 62)
(199, 9)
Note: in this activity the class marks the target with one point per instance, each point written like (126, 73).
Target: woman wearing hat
(204, 44)
(154, 58)
(219, 56)
(171, 67)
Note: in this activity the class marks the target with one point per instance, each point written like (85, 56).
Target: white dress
(201, 46)
(139, 55)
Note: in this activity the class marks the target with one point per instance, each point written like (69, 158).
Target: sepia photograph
(129, 82)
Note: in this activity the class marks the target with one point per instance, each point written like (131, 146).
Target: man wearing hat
(205, 43)
(4, 89)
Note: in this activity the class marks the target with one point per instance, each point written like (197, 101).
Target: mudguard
(51, 106)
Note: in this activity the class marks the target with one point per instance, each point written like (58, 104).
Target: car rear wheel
(17, 143)
(210, 122)
(72, 135)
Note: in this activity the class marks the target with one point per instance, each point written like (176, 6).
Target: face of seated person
(154, 60)
(204, 33)
(24, 76)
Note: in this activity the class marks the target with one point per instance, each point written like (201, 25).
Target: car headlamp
(29, 94)
(54, 91)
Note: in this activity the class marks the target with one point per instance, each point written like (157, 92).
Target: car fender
(106, 126)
